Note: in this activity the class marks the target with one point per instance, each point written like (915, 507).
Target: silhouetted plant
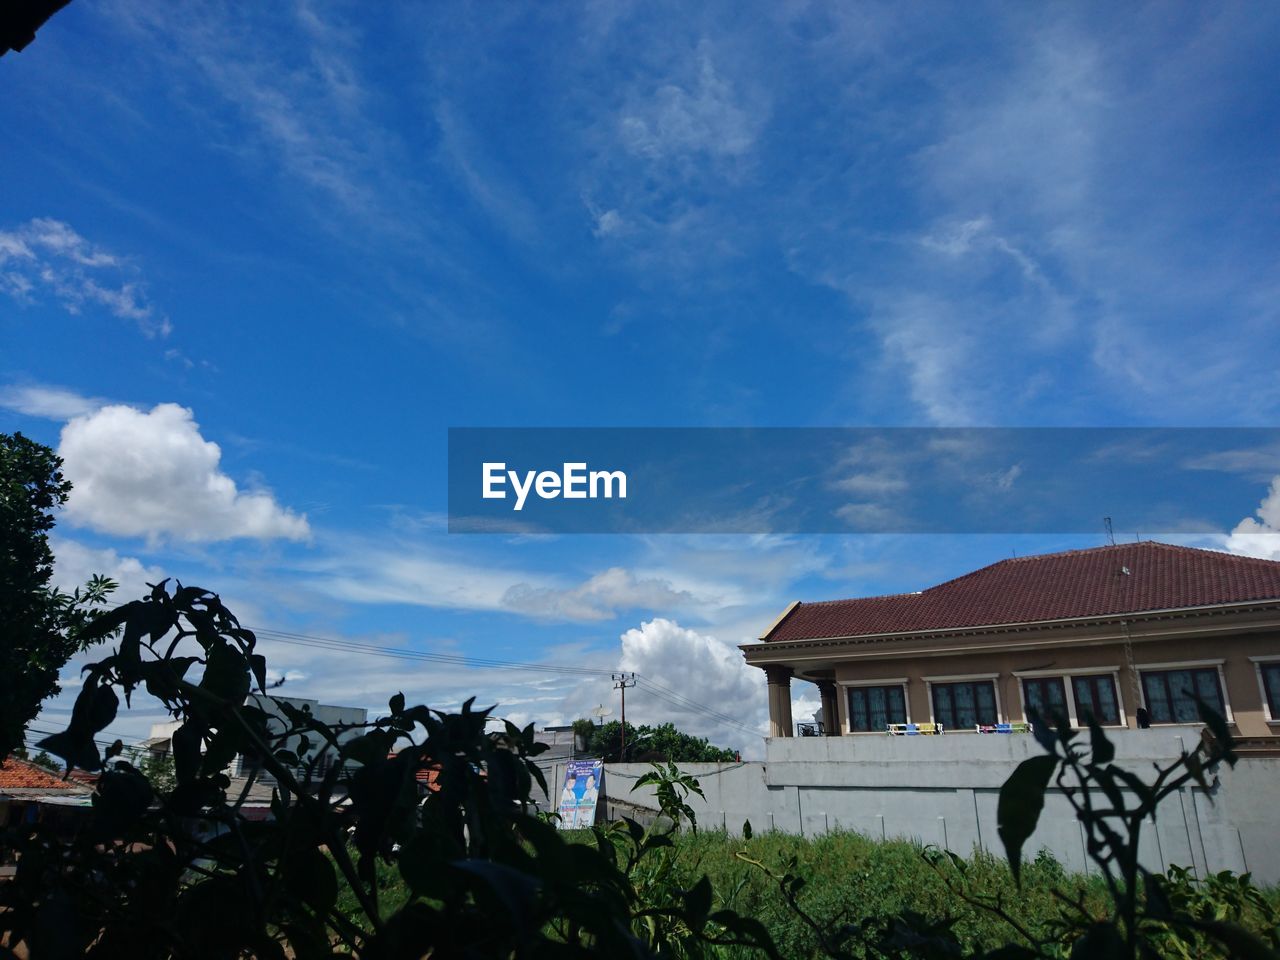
(183, 873)
(672, 789)
(1151, 913)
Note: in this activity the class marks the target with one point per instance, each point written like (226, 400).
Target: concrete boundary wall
(944, 790)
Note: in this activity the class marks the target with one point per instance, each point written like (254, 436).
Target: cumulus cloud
(599, 598)
(47, 255)
(76, 562)
(701, 668)
(1259, 535)
(52, 403)
(151, 473)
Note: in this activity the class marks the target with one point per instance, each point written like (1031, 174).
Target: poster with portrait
(583, 780)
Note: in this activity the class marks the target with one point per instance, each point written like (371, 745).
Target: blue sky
(318, 238)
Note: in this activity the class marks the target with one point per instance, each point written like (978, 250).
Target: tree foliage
(41, 625)
(662, 743)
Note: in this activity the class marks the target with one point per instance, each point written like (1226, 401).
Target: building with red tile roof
(22, 778)
(1130, 633)
(30, 793)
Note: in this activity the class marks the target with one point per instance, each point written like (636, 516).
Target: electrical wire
(652, 687)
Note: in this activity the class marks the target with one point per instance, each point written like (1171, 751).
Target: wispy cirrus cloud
(601, 597)
(294, 81)
(48, 257)
(47, 401)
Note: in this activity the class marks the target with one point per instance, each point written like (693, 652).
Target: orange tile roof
(18, 774)
(1054, 586)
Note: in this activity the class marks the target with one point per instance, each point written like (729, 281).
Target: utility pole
(620, 682)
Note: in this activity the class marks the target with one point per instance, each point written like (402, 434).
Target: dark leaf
(258, 665)
(697, 902)
(77, 749)
(121, 799)
(1104, 750)
(310, 877)
(1240, 943)
(226, 674)
(516, 891)
(1218, 727)
(1042, 730)
(109, 620)
(1102, 941)
(1018, 810)
(1133, 783)
(186, 742)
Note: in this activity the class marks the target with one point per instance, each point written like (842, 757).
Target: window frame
(1066, 694)
(1066, 674)
(1193, 665)
(972, 678)
(843, 705)
(1115, 696)
(1270, 714)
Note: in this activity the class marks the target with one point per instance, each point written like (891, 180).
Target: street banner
(582, 782)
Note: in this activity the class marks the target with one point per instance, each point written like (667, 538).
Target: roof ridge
(1067, 585)
(877, 596)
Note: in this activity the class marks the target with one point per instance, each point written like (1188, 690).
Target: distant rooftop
(1102, 581)
(23, 776)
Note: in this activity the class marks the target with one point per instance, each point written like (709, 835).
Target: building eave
(1105, 628)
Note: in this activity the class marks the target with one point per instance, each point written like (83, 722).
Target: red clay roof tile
(18, 774)
(1054, 586)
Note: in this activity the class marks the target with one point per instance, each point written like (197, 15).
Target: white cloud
(49, 402)
(76, 562)
(307, 112)
(47, 254)
(419, 574)
(924, 336)
(703, 669)
(599, 598)
(416, 575)
(704, 116)
(1260, 537)
(152, 474)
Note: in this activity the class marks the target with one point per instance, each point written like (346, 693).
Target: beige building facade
(1129, 634)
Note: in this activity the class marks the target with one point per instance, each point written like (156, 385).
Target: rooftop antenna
(1111, 535)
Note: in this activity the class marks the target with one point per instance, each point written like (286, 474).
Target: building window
(1271, 687)
(871, 709)
(968, 704)
(1047, 696)
(1170, 693)
(1096, 696)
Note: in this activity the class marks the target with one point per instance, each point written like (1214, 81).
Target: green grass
(850, 878)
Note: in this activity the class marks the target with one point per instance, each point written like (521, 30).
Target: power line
(653, 687)
(306, 640)
(400, 653)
